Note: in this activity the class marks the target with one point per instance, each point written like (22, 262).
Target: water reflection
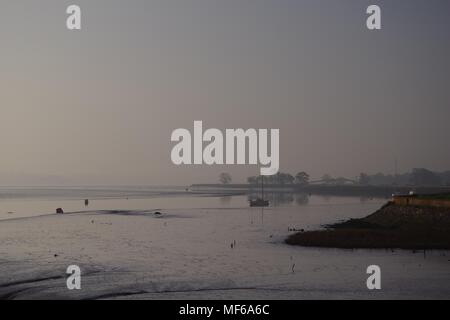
(278, 199)
(256, 216)
(282, 199)
(302, 199)
(225, 200)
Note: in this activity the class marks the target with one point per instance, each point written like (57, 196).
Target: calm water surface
(202, 246)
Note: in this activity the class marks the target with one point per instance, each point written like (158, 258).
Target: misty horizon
(98, 106)
(56, 181)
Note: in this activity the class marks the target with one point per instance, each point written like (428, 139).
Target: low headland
(407, 222)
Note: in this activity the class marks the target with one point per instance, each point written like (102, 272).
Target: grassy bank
(392, 226)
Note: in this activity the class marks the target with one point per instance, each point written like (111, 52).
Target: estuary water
(171, 243)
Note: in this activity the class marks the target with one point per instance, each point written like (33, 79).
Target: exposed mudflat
(201, 248)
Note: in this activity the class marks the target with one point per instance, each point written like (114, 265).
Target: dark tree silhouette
(424, 177)
(225, 178)
(302, 178)
(364, 179)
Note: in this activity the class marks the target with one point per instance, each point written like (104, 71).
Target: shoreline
(391, 227)
(323, 189)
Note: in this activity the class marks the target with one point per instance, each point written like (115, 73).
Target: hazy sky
(98, 106)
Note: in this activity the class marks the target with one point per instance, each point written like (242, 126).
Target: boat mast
(262, 186)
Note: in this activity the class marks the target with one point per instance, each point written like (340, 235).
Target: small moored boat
(260, 202)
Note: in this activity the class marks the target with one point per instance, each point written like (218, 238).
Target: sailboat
(260, 202)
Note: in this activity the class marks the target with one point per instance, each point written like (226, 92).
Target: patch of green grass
(441, 196)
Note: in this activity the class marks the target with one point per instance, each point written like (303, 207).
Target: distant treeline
(417, 177)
